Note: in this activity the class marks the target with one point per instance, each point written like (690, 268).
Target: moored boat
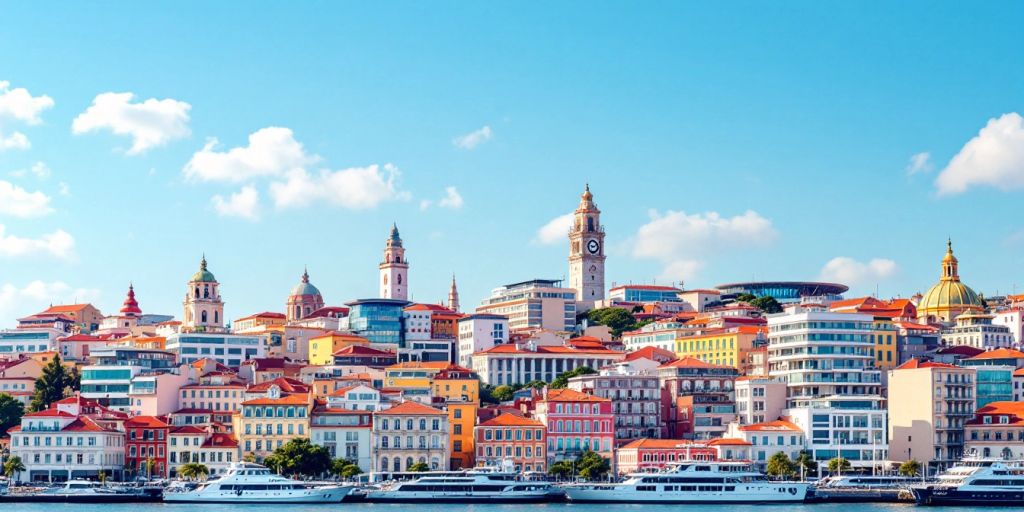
(82, 491)
(974, 482)
(245, 482)
(692, 482)
(483, 485)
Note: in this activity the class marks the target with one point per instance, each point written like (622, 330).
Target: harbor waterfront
(477, 507)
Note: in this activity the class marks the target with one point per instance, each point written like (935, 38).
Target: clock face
(593, 246)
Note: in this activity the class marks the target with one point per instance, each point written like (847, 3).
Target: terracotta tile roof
(85, 424)
(571, 395)
(918, 363)
(49, 413)
(328, 312)
(661, 444)
(187, 430)
(220, 440)
(726, 441)
(652, 353)
(511, 420)
(296, 399)
(265, 314)
(411, 408)
(690, 362)
(1013, 409)
(66, 308)
(960, 350)
(288, 385)
(1000, 353)
(772, 426)
(342, 391)
(145, 422)
(427, 307)
(362, 350)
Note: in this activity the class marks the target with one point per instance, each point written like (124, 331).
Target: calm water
(379, 507)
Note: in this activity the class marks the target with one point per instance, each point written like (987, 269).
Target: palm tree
(193, 471)
(13, 467)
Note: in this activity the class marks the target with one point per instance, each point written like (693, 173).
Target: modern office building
(378, 320)
(786, 291)
(227, 349)
(535, 304)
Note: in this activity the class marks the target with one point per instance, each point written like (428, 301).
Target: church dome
(950, 297)
(305, 287)
(203, 275)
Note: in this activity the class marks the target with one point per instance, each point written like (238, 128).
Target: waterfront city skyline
(797, 142)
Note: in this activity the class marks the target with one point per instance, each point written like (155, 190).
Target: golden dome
(949, 298)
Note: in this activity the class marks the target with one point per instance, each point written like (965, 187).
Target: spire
(949, 263)
(202, 262)
(130, 307)
(453, 296)
(305, 274)
(394, 238)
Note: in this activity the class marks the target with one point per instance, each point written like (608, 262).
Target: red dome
(131, 306)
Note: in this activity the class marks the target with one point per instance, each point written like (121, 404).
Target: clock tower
(586, 252)
(394, 270)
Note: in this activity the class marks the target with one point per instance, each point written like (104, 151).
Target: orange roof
(652, 353)
(726, 441)
(511, 420)
(428, 307)
(690, 362)
(772, 426)
(661, 444)
(1007, 408)
(284, 400)
(66, 308)
(430, 365)
(286, 384)
(85, 424)
(571, 395)
(220, 440)
(188, 429)
(265, 314)
(1000, 353)
(411, 409)
(145, 422)
(918, 363)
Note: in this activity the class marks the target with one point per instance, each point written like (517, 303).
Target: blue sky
(724, 142)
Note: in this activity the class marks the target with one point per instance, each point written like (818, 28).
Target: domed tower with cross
(586, 251)
(204, 311)
(394, 270)
(303, 300)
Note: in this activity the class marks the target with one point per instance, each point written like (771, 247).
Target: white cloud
(919, 162)
(452, 200)
(19, 105)
(36, 296)
(473, 138)
(244, 203)
(150, 123)
(853, 273)
(556, 230)
(39, 169)
(16, 140)
(63, 189)
(19, 202)
(355, 188)
(272, 151)
(681, 242)
(59, 244)
(995, 157)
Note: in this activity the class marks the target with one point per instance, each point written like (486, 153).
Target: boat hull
(70, 498)
(940, 496)
(333, 495)
(432, 497)
(794, 493)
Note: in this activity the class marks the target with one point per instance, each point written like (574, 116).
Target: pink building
(575, 422)
(657, 454)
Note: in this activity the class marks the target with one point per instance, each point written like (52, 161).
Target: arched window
(206, 291)
(384, 463)
(590, 224)
(203, 317)
(398, 464)
(398, 259)
(423, 424)
(399, 278)
(197, 292)
(408, 462)
(216, 317)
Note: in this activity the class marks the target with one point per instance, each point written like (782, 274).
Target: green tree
(746, 297)
(807, 463)
(562, 380)
(418, 467)
(51, 385)
(502, 393)
(193, 471)
(535, 384)
(838, 465)
(345, 468)
(13, 467)
(300, 457)
(249, 457)
(11, 411)
(150, 464)
(779, 466)
(561, 469)
(768, 304)
(618, 320)
(910, 468)
(102, 476)
(592, 466)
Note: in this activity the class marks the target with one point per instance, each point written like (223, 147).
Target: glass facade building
(378, 320)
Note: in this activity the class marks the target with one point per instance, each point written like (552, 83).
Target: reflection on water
(387, 507)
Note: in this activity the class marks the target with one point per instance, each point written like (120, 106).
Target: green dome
(949, 293)
(305, 287)
(203, 275)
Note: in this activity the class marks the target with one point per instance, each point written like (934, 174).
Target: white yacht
(81, 491)
(692, 482)
(975, 481)
(245, 482)
(488, 485)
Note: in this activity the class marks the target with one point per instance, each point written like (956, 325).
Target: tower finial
(202, 262)
(305, 274)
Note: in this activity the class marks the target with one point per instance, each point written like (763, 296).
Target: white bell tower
(586, 252)
(394, 270)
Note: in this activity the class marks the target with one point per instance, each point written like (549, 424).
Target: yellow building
(457, 389)
(414, 378)
(948, 298)
(723, 347)
(322, 348)
(884, 335)
(267, 423)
